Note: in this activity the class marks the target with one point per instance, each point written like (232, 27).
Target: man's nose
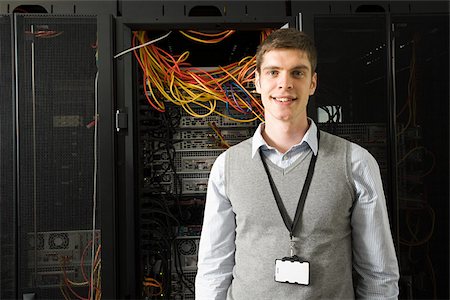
(285, 81)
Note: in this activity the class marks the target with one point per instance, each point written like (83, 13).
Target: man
(253, 219)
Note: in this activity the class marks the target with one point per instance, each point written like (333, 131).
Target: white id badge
(292, 270)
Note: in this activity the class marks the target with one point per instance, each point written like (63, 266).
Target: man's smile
(283, 99)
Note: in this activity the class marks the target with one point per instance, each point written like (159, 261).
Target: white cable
(143, 45)
(94, 194)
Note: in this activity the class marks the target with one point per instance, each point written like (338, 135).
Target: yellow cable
(164, 79)
(213, 41)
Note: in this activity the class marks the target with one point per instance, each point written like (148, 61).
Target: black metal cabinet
(421, 75)
(383, 83)
(57, 118)
(55, 64)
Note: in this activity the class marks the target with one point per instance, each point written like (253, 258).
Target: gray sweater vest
(323, 232)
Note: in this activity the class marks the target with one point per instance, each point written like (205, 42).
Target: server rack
(55, 117)
(49, 62)
(172, 152)
(422, 151)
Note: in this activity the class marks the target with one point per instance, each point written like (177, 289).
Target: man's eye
(299, 73)
(273, 73)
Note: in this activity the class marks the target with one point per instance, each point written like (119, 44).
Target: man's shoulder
(324, 135)
(241, 146)
(238, 154)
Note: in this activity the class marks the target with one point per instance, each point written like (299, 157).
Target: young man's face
(285, 83)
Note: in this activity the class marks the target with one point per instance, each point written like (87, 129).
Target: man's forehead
(294, 54)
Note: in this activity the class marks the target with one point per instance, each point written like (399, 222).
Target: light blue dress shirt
(373, 250)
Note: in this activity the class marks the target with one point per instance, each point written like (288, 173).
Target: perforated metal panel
(56, 60)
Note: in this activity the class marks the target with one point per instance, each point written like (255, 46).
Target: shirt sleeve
(375, 260)
(216, 250)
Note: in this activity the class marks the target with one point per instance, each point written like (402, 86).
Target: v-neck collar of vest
(285, 171)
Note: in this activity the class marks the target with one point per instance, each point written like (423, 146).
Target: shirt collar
(310, 138)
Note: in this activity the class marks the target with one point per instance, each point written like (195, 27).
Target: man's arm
(374, 255)
(216, 252)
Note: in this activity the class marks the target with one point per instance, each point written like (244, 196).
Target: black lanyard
(301, 202)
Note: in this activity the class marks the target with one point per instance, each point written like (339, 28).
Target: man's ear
(313, 86)
(257, 85)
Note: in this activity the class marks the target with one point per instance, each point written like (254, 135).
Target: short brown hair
(287, 38)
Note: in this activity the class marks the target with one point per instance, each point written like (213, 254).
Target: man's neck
(282, 136)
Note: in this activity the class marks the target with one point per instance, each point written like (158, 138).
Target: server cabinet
(56, 86)
(383, 76)
(165, 152)
(421, 76)
(57, 150)
(58, 236)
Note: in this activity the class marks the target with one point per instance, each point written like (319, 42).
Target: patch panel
(189, 121)
(196, 164)
(203, 144)
(196, 134)
(194, 185)
(196, 145)
(228, 134)
(198, 156)
(237, 134)
(180, 155)
(193, 122)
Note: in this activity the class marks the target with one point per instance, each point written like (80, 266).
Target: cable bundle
(93, 281)
(172, 79)
(207, 38)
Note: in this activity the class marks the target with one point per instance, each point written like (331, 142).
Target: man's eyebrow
(271, 68)
(299, 67)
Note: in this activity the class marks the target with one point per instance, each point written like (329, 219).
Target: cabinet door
(421, 68)
(391, 96)
(56, 134)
